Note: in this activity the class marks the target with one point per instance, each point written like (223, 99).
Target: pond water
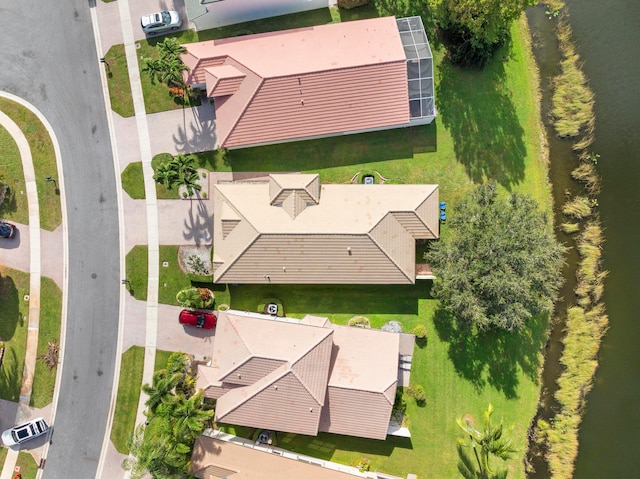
(605, 34)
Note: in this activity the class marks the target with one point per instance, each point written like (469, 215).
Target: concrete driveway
(172, 336)
(109, 19)
(187, 130)
(14, 253)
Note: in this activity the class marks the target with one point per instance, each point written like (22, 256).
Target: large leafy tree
(475, 28)
(486, 443)
(500, 264)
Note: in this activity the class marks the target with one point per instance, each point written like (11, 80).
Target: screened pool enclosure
(419, 69)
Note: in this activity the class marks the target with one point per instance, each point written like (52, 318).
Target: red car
(197, 319)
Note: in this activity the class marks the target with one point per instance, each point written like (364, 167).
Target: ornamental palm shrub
(197, 298)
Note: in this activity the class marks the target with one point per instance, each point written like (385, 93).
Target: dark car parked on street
(7, 230)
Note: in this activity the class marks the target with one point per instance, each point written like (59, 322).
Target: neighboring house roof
(359, 378)
(305, 82)
(294, 230)
(302, 376)
(217, 459)
(289, 376)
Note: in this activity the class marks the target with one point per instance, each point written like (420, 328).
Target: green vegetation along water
(606, 36)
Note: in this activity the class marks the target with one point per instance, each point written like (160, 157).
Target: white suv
(24, 432)
(160, 22)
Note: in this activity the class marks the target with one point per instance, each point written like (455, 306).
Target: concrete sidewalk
(26, 255)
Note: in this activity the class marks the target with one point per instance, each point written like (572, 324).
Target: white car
(24, 432)
(160, 22)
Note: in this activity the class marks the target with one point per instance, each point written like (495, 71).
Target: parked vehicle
(160, 22)
(198, 319)
(25, 432)
(7, 230)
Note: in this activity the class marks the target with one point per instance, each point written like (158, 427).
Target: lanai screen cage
(419, 69)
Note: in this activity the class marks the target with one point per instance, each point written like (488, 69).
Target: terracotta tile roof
(303, 376)
(327, 234)
(290, 90)
(353, 366)
(223, 80)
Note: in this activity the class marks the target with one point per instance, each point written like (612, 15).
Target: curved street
(49, 59)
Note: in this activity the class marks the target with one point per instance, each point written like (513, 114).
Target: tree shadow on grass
(10, 378)
(10, 315)
(478, 109)
(399, 143)
(496, 358)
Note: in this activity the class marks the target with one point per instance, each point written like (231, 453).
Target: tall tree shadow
(477, 107)
(493, 357)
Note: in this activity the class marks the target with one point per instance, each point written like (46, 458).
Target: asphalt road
(48, 57)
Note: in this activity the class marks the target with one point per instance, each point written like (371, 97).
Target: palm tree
(166, 175)
(170, 48)
(190, 417)
(186, 174)
(160, 391)
(485, 443)
(154, 68)
(172, 69)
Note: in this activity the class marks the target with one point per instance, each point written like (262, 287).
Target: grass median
(44, 164)
(44, 379)
(124, 417)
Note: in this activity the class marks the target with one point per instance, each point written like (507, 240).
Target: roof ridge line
(276, 375)
(295, 373)
(228, 202)
(247, 359)
(245, 107)
(392, 260)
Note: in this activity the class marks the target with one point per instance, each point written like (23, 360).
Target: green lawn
(14, 320)
(137, 266)
(124, 417)
(14, 207)
(162, 357)
(44, 379)
(172, 279)
(44, 163)
(27, 464)
(133, 180)
(118, 81)
(131, 369)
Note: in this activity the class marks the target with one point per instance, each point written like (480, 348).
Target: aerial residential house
(292, 229)
(305, 376)
(205, 14)
(314, 82)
